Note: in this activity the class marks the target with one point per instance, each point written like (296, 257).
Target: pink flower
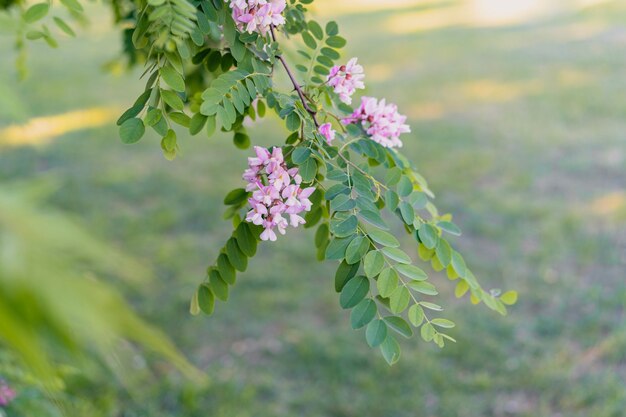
(7, 394)
(295, 220)
(255, 215)
(328, 132)
(257, 15)
(306, 193)
(279, 221)
(295, 176)
(266, 194)
(290, 195)
(381, 121)
(303, 196)
(251, 175)
(346, 79)
(268, 233)
(279, 178)
(262, 157)
(276, 161)
(276, 193)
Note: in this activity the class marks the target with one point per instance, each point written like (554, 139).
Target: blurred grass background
(518, 115)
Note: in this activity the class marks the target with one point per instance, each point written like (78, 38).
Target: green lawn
(520, 131)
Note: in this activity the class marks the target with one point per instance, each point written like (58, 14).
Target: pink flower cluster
(257, 15)
(345, 79)
(380, 120)
(7, 394)
(276, 193)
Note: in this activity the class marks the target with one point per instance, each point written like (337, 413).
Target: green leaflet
(390, 350)
(428, 235)
(246, 240)
(411, 271)
(397, 255)
(231, 93)
(336, 250)
(132, 130)
(354, 291)
(399, 325)
(416, 315)
(399, 300)
(205, 299)
(36, 12)
(344, 273)
(373, 263)
(226, 270)
(363, 313)
(376, 333)
(357, 249)
(218, 285)
(344, 227)
(172, 78)
(236, 257)
(387, 282)
(383, 238)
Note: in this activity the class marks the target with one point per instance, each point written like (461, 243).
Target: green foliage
(165, 25)
(53, 307)
(231, 94)
(202, 71)
(39, 21)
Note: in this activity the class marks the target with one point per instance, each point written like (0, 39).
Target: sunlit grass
(609, 204)
(419, 16)
(519, 129)
(425, 20)
(380, 72)
(334, 7)
(42, 130)
(426, 111)
(487, 90)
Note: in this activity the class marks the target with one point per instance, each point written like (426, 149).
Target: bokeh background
(518, 111)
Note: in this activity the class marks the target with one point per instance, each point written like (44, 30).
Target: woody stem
(296, 86)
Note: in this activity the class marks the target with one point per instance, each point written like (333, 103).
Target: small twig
(343, 129)
(295, 83)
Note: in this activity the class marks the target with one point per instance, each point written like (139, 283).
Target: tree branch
(296, 86)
